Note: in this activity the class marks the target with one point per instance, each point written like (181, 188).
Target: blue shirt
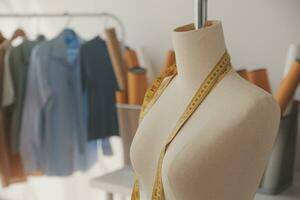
(53, 131)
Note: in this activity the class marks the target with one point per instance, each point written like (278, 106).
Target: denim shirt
(53, 132)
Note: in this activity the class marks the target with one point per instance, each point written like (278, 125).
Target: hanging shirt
(18, 65)
(8, 92)
(100, 83)
(53, 132)
(11, 169)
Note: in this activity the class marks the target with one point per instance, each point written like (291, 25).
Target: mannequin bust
(222, 151)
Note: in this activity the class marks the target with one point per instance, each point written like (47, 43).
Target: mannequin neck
(197, 51)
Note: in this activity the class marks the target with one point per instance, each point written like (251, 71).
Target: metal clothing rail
(70, 16)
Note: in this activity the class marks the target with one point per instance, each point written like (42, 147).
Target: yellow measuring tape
(157, 88)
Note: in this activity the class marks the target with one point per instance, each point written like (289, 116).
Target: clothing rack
(70, 16)
(200, 14)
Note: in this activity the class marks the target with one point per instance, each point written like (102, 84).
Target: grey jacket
(18, 64)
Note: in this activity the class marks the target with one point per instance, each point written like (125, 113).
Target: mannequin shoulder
(251, 97)
(246, 119)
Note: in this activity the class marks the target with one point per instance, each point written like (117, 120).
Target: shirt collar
(59, 48)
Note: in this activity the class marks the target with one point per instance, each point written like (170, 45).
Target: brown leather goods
(131, 58)
(137, 85)
(260, 78)
(121, 97)
(119, 65)
(170, 59)
(243, 73)
(288, 86)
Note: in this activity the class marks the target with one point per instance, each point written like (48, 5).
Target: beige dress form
(222, 151)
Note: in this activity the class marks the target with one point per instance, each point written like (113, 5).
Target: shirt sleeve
(8, 95)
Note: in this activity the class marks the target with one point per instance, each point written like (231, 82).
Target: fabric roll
(243, 73)
(131, 58)
(170, 59)
(121, 97)
(292, 55)
(119, 65)
(260, 78)
(288, 86)
(137, 85)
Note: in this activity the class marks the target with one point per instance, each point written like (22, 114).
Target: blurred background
(258, 35)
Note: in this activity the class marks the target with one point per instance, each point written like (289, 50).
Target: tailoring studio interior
(149, 100)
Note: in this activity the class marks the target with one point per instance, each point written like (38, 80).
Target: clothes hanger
(68, 32)
(19, 33)
(68, 23)
(2, 38)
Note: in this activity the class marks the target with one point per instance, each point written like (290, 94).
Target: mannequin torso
(221, 152)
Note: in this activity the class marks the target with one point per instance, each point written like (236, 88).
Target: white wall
(257, 32)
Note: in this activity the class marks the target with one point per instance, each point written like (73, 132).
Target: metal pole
(67, 14)
(200, 13)
(57, 15)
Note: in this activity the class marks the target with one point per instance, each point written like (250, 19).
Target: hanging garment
(8, 92)
(18, 64)
(100, 83)
(53, 133)
(11, 169)
(4, 150)
(3, 50)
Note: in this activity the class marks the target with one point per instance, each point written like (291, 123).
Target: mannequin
(222, 151)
